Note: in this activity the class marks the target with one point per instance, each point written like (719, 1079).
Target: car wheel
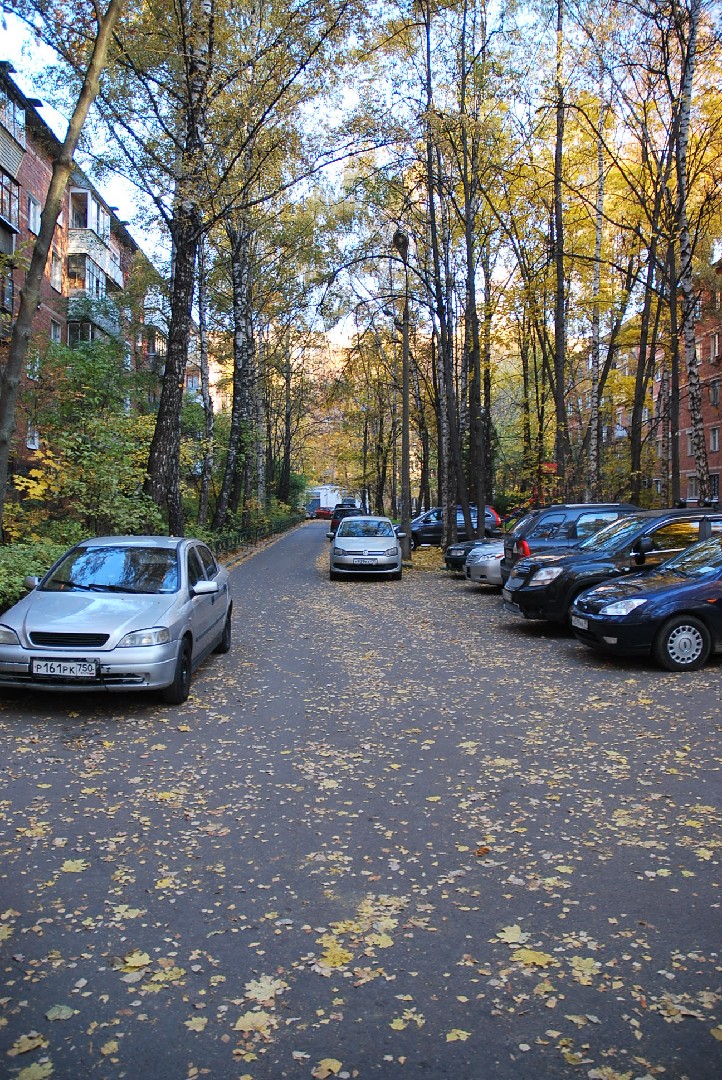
(178, 691)
(683, 644)
(224, 645)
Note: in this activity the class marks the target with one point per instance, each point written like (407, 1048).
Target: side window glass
(195, 568)
(547, 527)
(434, 516)
(591, 523)
(675, 535)
(209, 563)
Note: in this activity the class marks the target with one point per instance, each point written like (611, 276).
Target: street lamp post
(401, 242)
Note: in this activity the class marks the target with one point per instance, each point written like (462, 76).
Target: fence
(236, 540)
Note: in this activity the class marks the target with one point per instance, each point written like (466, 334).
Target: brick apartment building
(92, 256)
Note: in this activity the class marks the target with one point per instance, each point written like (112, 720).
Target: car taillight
(522, 549)
(496, 517)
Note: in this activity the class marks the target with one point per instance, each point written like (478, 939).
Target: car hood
(567, 556)
(652, 586)
(80, 612)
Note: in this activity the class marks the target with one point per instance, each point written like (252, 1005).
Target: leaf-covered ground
(393, 833)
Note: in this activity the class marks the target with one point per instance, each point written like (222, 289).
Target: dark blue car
(673, 612)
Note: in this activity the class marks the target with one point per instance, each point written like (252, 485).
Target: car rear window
(592, 522)
(547, 526)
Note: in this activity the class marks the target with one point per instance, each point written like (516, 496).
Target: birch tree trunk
(686, 284)
(239, 236)
(209, 418)
(186, 227)
(560, 442)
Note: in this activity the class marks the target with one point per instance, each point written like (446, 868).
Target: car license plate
(506, 594)
(65, 669)
(364, 562)
(581, 624)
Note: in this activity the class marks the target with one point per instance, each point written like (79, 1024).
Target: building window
(86, 276)
(714, 392)
(56, 272)
(32, 438)
(9, 200)
(714, 486)
(714, 440)
(691, 488)
(697, 309)
(79, 332)
(714, 348)
(690, 445)
(12, 117)
(7, 291)
(87, 213)
(34, 211)
(56, 332)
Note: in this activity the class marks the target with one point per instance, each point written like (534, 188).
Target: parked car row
(643, 582)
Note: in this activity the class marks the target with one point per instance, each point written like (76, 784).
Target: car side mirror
(204, 588)
(329, 536)
(31, 582)
(401, 535)
(641, 549)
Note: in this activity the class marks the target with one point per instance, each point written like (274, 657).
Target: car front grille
(68, 641)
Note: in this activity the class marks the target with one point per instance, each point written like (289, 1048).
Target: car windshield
(698, 560)
(614, 537)
(125, 569)
(352, 527)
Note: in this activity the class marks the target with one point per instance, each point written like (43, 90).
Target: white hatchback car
(483, 563)
(363, 545)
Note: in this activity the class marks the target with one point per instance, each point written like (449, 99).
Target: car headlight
(157, 635)
(339, 551)
(390, 551)
(545, 575)
(8, 636)
(621, 607)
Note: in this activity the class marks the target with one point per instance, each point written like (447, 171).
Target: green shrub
(19, 560)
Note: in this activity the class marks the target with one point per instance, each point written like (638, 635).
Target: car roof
(136, 541)
(374, 517)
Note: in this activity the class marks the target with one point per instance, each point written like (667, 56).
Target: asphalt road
(393, 833)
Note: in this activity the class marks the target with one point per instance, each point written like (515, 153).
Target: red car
(324, 512)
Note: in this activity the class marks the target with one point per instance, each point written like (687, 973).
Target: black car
(545, 586)
(428, 527)
(563, 525)
(343, 511)
(673, 612)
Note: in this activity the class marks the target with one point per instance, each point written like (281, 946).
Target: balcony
(87, 242)
(101, 313)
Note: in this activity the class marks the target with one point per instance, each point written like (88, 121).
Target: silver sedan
(119, 613)
(365, 545)
(483, 563)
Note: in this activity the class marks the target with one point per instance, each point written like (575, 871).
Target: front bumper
(354, 564)
(484, 573)
(149, 668)
(616, 635)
